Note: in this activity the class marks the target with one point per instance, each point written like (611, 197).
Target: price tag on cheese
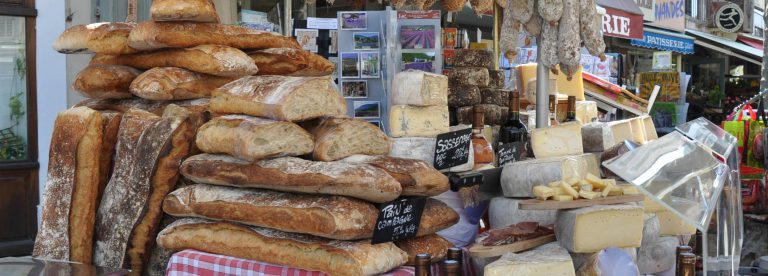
(510, 152)
(398, 219)
(452, 149)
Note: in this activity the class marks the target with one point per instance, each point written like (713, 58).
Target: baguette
(149, 35)
(291, 62)
(290, 174)
(415, 176)
(433, 245)
(216, 60)
(253, 138)
(338, 138)
(340, 258)
(333, 217)
(111, 128)
(154, 107)
(280, 98)
(105, 81)
(183, 10)
(171, 83)
(72, 186)
(110, 38)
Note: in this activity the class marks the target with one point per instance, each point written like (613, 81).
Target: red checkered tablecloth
(192, 262)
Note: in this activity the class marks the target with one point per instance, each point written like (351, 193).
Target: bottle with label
(423, 262)
(451, 268)
(553, 110)
(571, 111)
(513, 130)
(679, 256)
(688, 265)
(482, 148)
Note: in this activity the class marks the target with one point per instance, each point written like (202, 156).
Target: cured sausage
(590, 34)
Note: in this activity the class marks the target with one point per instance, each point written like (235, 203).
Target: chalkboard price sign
(452, 148)
(398, 219)
(510, 152)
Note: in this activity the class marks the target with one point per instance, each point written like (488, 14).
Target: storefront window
(13, 90)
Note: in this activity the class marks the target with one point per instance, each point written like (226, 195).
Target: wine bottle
(451, 268)
(571, 111)
(455, 254)
(513, 130)
(688, 265)
(423, 262)
(483, 152)
(553, 110)
(679, 257)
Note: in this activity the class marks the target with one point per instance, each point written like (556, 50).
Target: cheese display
(586, 111)
(424, 149)
(519, 178)
(473, 58)
(598, 137)
(657, 256)
(464, 95)
(504, 211)
(671, 224)
(419, 88)
(493, 114)
(557, 141)
(549, 259)
(418, 121)
(495, 96)
(584, 230)
(496, 78)
(469, 76)
(607, 262)
(573, 87)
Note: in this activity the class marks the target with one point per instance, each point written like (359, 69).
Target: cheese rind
(549, 259)
(418, 121)
(655, 257)
(586, 111)
(672, 225)
(419, 88)
(594, 228)
(554, 141)
(504, 211)
(469, 76)
(518, 178)
(424, 149)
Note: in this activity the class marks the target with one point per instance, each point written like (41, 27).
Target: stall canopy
(728, 47)
(665, 40)
(622, 18)
(755, 42)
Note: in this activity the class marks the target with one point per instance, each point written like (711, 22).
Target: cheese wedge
(593, 228)
(556, 141)
(549, 259)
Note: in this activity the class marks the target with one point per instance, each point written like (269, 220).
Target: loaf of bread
(431, 244)
(109, 38)
(149, 35)
(183, 10)
(341, 258)
(209, 59)
(337, 138)
(253, 138)
(149, 151)
(280, 98)
(417, 177)
(111, 126)
(291, 62)
(290, 174)
(71, 188)
(103, 81)
(333, 217)
(172, 83)
(437, 216)
(154, 107)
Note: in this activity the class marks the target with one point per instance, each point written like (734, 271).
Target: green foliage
(715, 96)
(667, 110)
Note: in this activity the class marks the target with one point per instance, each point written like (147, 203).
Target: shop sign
(670, 14)
(729, 18)
(432, 14)
(647, 7)
(669, 82)
(665, 42)
(622, 24)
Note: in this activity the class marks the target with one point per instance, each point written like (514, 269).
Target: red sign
(622, 24)
(433, 14)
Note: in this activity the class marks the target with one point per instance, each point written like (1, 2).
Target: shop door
(707, 74)
(18, 136)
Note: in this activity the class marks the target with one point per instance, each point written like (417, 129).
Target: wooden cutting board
(480, 251)
(537, 204)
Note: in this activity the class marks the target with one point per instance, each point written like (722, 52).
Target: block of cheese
(549, 259)
(658, 256)
(651, 228)
(463, 95)
(594, 228)
(652, 206)
(494, 114)
(574, 87)
(638, 129)
(650, 129)
(555, 141)
(469, 76)
(419, 88)
(418, 121)
(672, 225)
(503, 212)
(518, 178)
(586, 111)
(495, 96)
(598, 137)
(423, 149)
(473, 58)
(496, 78)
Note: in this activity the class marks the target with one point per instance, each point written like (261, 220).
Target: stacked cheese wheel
(277, 175)
(473, 82)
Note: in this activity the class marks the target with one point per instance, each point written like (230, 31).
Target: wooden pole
(496, 33)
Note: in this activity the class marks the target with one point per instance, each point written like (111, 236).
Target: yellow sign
(669, 82)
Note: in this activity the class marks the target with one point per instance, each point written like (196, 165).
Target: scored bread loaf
(183, 10)
(209, 59)
(154, 107)
(338, 138)
(437, 216)
(415, 176)
(110, 38)
(172, 83)
(342, 258)
(280, 97)
(290, 174)
(333, 217)
(253, 138)
(103, 81)
(71, 188)
(149, 35)
(111, 126)
(433, 245)
(291, 62)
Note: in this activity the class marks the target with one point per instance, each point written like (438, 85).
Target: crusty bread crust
(431, 244)
(208, 59)
(110, 38)
(338, 138)
(291, 62)
(111, 123)
(416, 176)
(172, 83)
(437, 216)
(105, 81)
(183, 10)
(149, 35)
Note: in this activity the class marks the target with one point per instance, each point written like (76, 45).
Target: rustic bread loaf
(110, 38)
(291, 62)
(431, 244)
(337, 138)
(71, 188)
(417, 177)
(103, 81)
(172, 83)
(437, 216)
(209, 59)
(290, 174)
(271, 246)
(280, 98)
(111, 126)
(149, 35)
(253, 138)
(154, 107)
(333, 217)
(183, 10)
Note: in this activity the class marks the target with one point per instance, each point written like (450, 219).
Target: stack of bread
(473, 81)
(277, 175)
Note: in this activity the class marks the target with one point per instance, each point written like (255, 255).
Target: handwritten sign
(398, 219)
(510, 152)
(452, 149)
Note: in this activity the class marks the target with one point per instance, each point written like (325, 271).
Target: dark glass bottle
(451, 268)
(423, 262)
(679, 257)
(571, 111)
(553, 110)
(482, 148)
(688, 265)
(698, 248)
(455, 254)
(513, 130)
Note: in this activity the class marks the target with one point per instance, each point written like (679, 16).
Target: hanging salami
(569, 39)
(590, 29)
(552, 10)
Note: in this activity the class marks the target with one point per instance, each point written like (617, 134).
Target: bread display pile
(254, 125)
(473, 81)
